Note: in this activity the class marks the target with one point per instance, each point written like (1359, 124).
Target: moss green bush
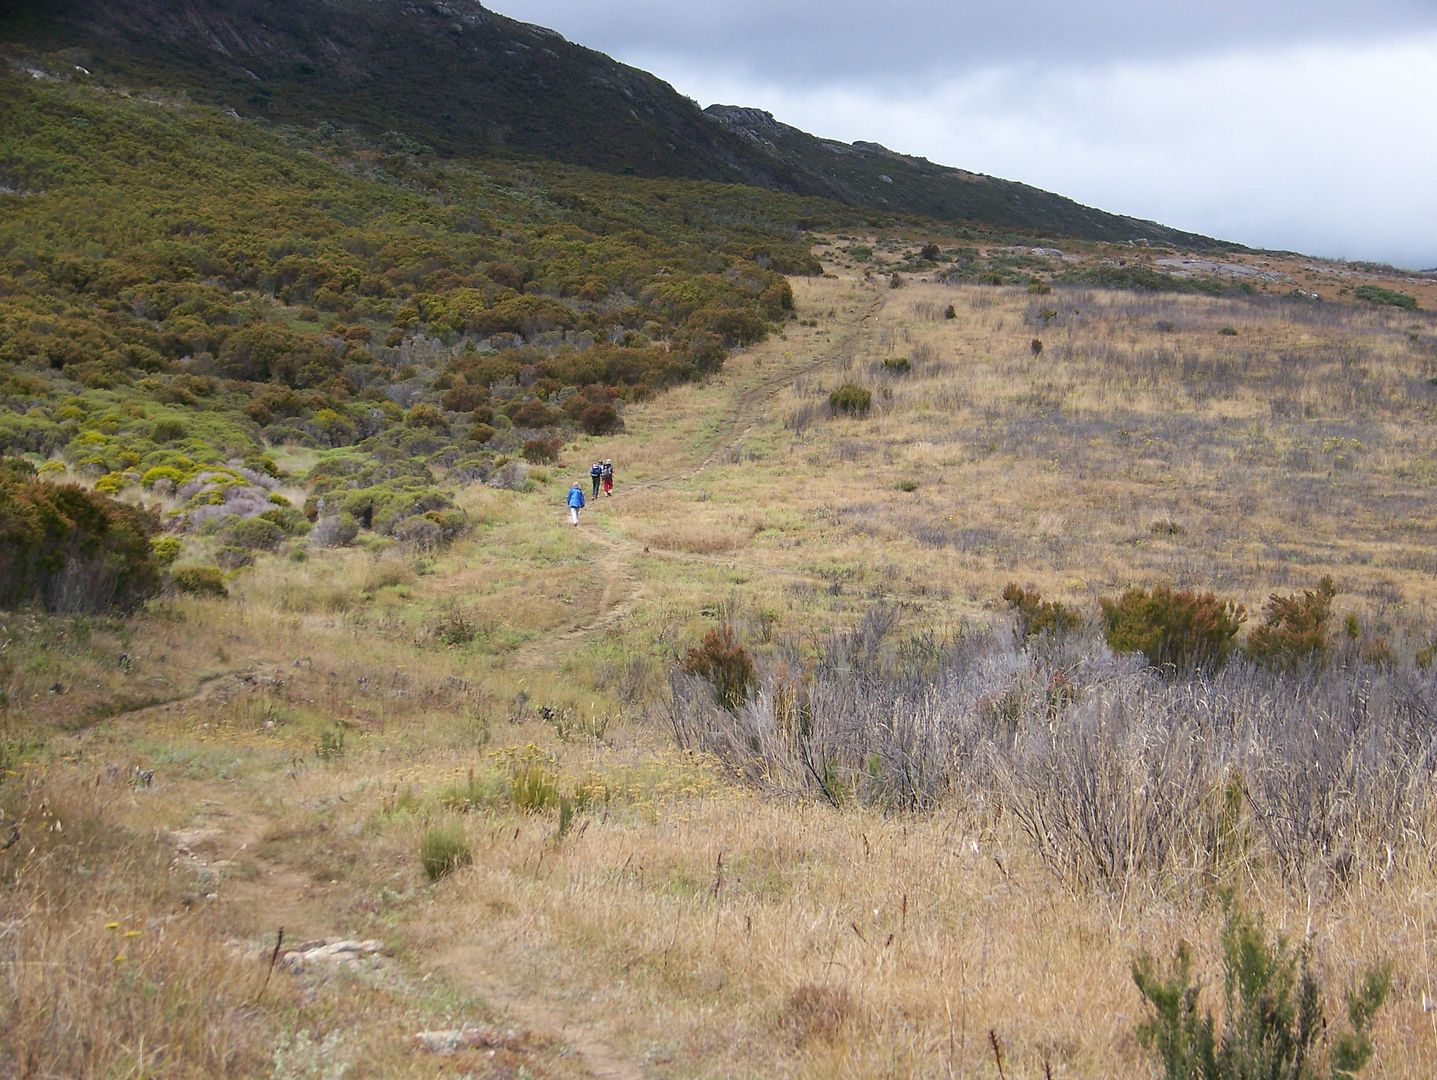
(1175, 628)
(444, 849)
(850, 400)
(1037, 616)
(166, 549)
(1376, 294)
(253, 534)
(199, 580)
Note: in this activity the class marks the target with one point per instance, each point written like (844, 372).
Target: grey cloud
(858, 40)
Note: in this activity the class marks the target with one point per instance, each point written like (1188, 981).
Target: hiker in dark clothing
(596, 471)
(608, 477)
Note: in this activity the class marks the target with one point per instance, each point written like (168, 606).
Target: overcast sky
(1310, 126)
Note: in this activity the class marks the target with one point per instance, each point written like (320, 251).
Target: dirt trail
(228, 836)
(615, 554)
(591, 1041)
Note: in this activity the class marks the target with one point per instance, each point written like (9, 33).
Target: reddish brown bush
(1294, 629)
(600, 418)
(724, 663)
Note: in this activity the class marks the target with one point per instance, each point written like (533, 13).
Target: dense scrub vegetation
(71, 550)
(182, 292)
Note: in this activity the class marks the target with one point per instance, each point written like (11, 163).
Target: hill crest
(460, 79)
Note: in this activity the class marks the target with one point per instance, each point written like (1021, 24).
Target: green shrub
(1273, 1027)
(850, 400)
(167, 431)
(287, 518)
(724, 663)
(898, 365)
(73, 550)
(444, 849)
(532, 787)
(1376, 294)
(1294, 629)
(1228, 331)
(1181, 629)
(111, 483)
(330, 744)
(162, 472)
(166, 550)
(1037, 616)
(254, 534)
(426, 415)
(199, 580)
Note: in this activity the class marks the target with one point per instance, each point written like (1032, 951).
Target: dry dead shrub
(1113, 771)
(814, 1013)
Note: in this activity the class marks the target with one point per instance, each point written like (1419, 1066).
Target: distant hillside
(455, 77)
(867, 174)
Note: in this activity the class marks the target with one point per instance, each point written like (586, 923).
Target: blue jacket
(576, 496)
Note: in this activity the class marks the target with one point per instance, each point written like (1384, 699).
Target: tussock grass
(709, 911)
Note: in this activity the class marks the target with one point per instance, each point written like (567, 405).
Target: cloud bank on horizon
(1280, 125)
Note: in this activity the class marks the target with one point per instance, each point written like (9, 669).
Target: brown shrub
(1294, 628)
(1038, 616)
(542, 451)
(724, 663)
(815, 1013)
(600, 418)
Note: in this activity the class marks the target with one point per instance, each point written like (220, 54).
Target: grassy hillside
(184, 291)
(918, 843)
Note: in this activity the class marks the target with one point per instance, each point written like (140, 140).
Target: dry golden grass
(319, 721)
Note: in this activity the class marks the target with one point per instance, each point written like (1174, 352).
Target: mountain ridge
(461, 79)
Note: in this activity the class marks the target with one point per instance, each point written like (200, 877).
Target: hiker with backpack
(607, 475)
(576, 500)
(596, 472)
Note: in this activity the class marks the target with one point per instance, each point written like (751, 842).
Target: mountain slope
(867, 174)
(460, 79)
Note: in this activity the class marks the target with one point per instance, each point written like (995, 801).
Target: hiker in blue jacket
(596, 472)
(576, 501)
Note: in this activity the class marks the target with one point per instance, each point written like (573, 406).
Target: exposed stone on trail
(187, 840)
(454, 1040)
(332, 953)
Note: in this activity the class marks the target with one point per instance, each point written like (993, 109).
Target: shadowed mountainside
(455, 77)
